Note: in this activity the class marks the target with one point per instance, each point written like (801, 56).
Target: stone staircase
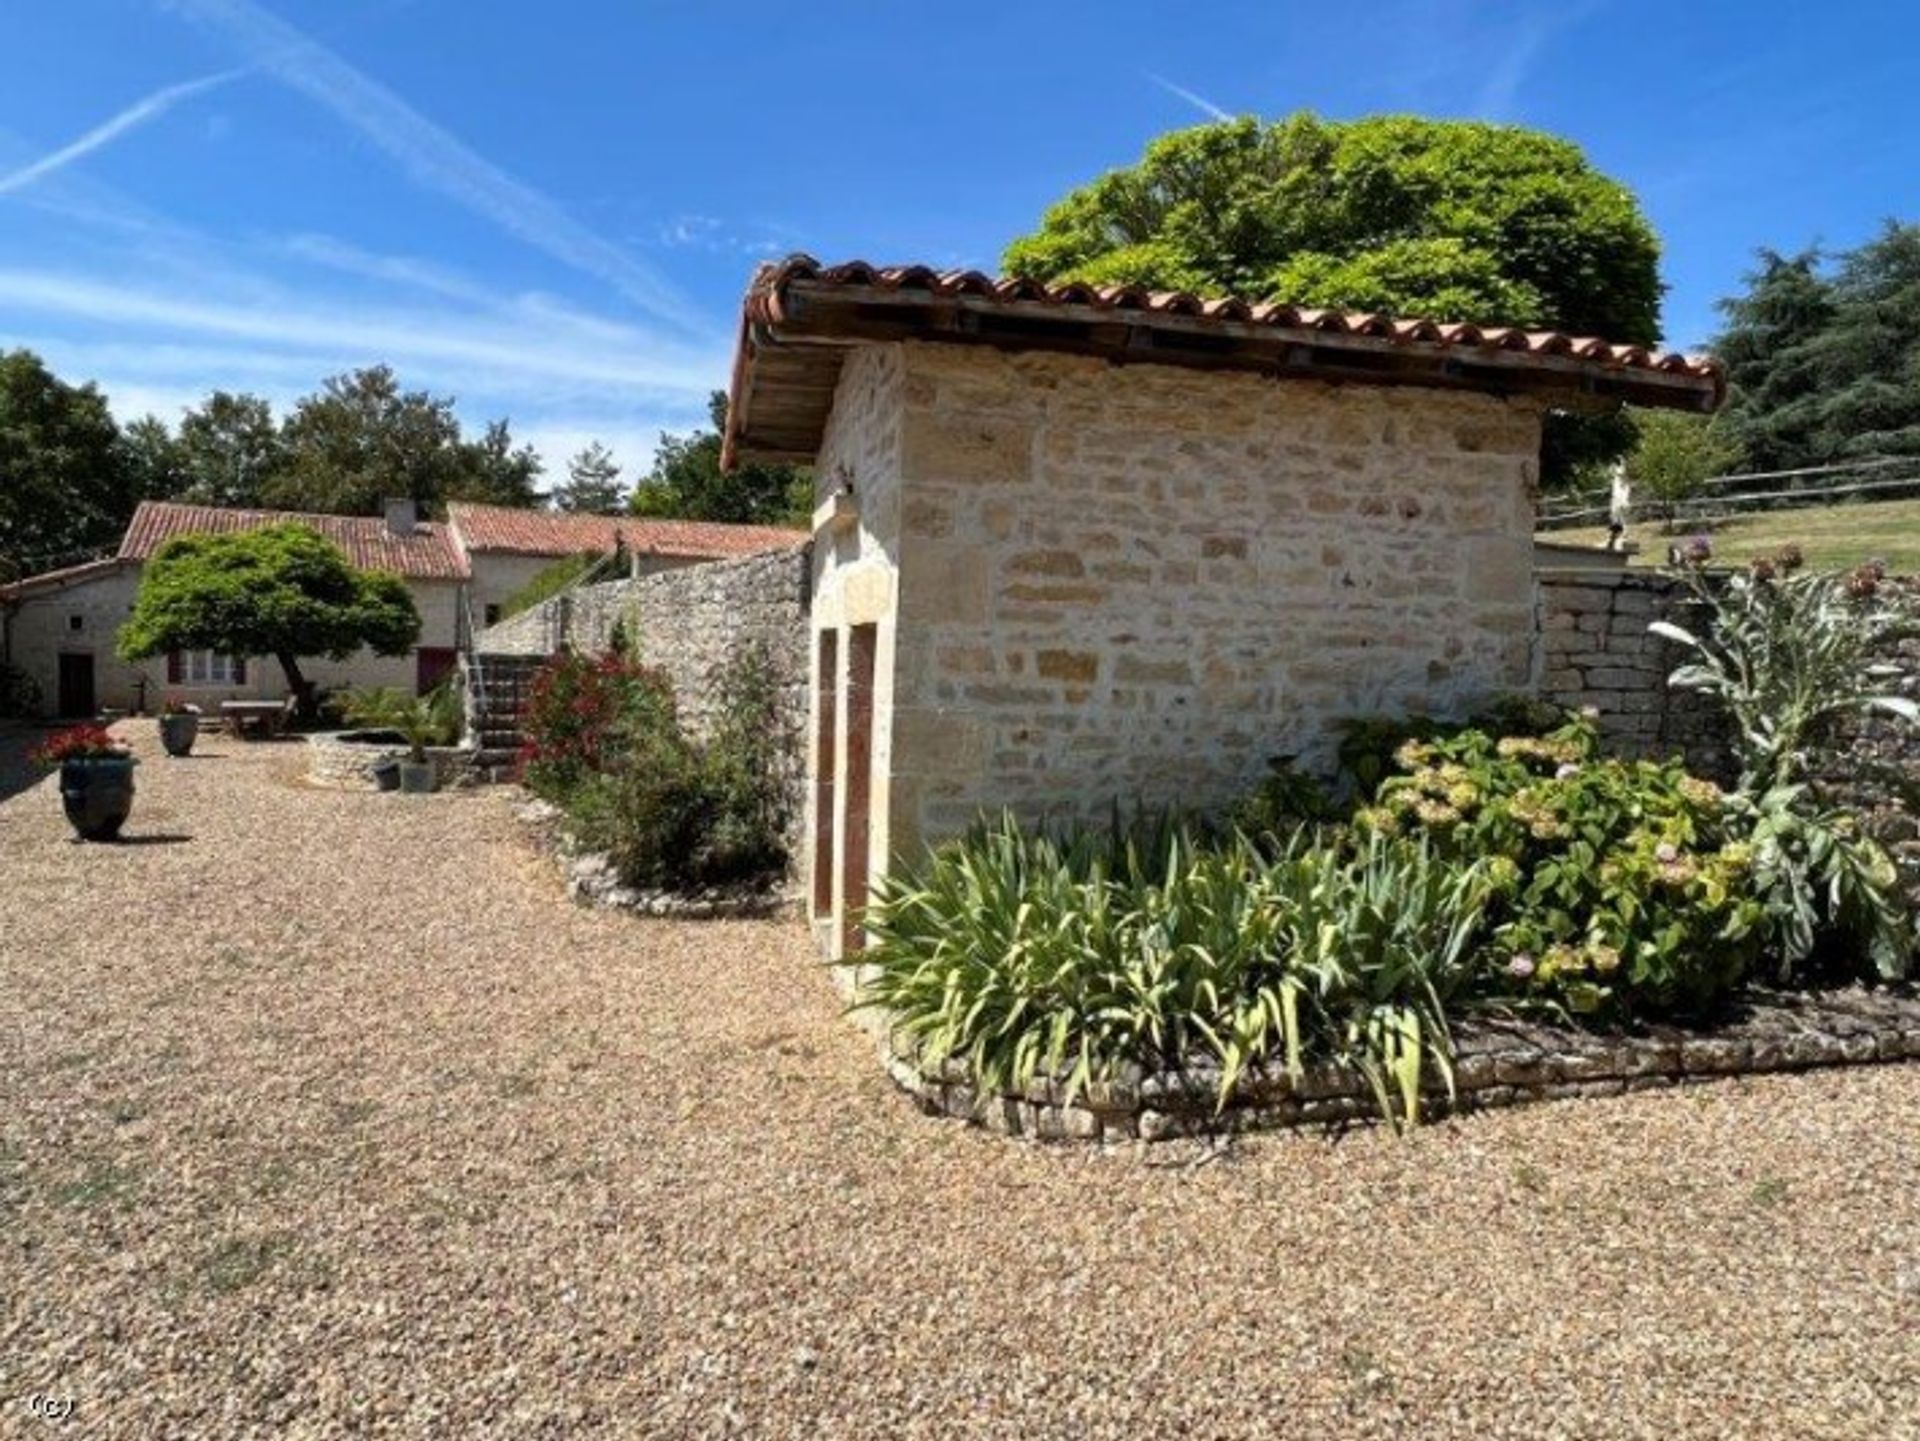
(497, 687)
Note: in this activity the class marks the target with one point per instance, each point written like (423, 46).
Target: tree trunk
(299, 685)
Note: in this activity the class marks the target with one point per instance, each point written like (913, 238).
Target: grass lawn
(1834, 537)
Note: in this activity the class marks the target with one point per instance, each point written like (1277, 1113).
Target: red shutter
(176, 669)
(239, 670)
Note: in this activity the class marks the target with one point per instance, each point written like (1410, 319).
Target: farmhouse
(60, 627)
(1079, 546)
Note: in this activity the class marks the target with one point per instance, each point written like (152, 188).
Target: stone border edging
(1495, 1064)
(343, 765)
(592, 881)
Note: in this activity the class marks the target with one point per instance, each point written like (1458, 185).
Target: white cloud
(435, 158)
(150, 108)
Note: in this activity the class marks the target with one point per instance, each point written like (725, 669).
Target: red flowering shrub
(80, 743)
(581, 713)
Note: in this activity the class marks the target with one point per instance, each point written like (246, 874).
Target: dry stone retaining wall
(1494, 1065)
(339, 763)
(1594, 649)
(691, 623)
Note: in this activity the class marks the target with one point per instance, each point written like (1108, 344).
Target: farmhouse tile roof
(546, 532)
(427, 554)
(800, 316)
(55, 579)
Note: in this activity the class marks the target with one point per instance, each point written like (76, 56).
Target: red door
(435, 665)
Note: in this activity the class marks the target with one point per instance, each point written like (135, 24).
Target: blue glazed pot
(97, 795)
(177, 732)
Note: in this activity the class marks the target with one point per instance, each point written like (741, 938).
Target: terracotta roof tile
(546, 532)
(427, 554)
(803, 314)
(55, 579)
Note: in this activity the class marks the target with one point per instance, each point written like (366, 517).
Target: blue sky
(549, 210)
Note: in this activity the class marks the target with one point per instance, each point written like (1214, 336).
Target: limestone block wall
(1593, 649)
(85, 618)
(1139, 582)
(692, 622)
(581, 618)
(855, 584)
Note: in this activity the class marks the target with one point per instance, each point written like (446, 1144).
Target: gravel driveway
(327, 1115)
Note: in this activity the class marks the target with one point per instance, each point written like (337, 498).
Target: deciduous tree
(686, 482)
(284, 591)
(64, 478)
(1456, 220)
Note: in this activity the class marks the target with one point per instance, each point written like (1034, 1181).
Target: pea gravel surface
(327, 1115)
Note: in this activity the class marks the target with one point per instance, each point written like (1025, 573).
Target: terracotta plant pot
(177, 732)
(98, 796)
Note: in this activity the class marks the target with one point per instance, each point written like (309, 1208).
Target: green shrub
(1081, 953)
(550, 580)
(1374, 947)
(605, 742)
(1286, 800)
(1789, 654)
(1368, 744)
(1618, 888)
(433, 719)
(19, 692)
(580, 712)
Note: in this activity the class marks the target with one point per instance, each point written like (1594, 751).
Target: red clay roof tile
(546, 532)
(427, 554)
(800, 315)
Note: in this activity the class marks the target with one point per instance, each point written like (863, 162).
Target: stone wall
(338, 762)
(581, 618)
(1593, 648)
(1140, 582)
(691, 622)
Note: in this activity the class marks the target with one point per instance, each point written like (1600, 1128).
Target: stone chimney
(403, 516)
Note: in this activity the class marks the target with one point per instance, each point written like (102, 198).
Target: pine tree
(593, 484)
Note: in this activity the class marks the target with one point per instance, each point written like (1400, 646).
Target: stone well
(346, 760)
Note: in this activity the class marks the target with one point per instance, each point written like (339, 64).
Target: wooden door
(863, 643)
(433, 664)
(825, 757)
(76, 685)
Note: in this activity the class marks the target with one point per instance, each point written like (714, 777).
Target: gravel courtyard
(327, 1115)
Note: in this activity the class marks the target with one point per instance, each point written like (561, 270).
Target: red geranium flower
(80, 743)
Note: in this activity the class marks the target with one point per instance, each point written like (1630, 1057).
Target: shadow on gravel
(17, 772)
(156, 839)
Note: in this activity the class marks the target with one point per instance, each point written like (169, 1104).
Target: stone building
(1076, 546)
(60, 628)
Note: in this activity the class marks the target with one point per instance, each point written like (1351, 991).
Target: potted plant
(96, 780)
(432, 719)
(179, 725)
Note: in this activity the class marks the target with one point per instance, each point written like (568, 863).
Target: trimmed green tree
(686, 482)
(1674, 455)
(284, 591)
(1457, 220)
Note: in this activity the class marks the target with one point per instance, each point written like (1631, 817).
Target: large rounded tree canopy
(1446, 219)
(284, 591)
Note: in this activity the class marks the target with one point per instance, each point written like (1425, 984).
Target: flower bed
(593, 878)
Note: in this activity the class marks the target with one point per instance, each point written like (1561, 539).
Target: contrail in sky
(132, 118)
